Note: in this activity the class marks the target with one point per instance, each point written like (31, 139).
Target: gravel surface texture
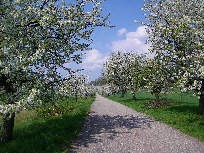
(114, 128)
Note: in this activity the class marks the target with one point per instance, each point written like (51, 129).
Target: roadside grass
(182, 114)
(41, 133)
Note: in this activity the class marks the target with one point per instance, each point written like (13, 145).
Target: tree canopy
(37, 38)
(176, 35)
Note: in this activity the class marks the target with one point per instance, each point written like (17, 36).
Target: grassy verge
(182, 114)
(48, 134)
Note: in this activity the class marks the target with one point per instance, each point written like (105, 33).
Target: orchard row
(176, 34)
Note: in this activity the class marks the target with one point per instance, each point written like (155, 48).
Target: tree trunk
(156, 91)
(157, 96)
(76, 97)
(123, 93)
(7, 129)
(201, 100)
(133, 96)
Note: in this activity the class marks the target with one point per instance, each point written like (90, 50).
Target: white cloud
(93, 60)
(135, 41)
(121, 31)
(139, 33)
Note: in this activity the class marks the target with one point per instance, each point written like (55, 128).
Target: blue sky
(126, 36)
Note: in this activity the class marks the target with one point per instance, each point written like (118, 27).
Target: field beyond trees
(180, 112)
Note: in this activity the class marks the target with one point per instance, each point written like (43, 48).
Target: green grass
(48, 134)
(182, 114)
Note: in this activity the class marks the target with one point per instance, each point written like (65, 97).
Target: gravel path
(114, 128)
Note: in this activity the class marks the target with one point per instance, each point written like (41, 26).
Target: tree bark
(156, 96)
(133, 96)
(7, 129)
(76, 97)
(156, 91)
(123, 93)
(201, 100)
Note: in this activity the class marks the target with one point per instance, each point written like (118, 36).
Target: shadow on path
(97, 126)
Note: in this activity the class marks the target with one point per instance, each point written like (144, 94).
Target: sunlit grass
(38, 134)
(182, 114)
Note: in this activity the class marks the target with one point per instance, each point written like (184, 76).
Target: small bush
(162, 103)
(56, 109)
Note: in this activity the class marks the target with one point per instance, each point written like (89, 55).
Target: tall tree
(159, 77)
(125, 70)
(115, 71)
(137, 72)
(37, 37)
(76, 85)
(176, 33)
